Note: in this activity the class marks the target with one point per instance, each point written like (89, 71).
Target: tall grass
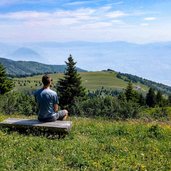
(93, 144)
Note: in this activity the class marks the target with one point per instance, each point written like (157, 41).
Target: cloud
(117, 21)
(80, 16)
(77, 3)
(150, 18)
(96, 26)
(89, 24)
(24, 15)
(144, 24)
(32, 16)
(8, 2)
(116, 14)
(16, 2)
(118, 3)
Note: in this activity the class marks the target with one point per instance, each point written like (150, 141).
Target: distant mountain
(23, 68)
(25, 53)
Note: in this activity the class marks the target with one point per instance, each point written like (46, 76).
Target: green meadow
(92, 144)
(90, 80)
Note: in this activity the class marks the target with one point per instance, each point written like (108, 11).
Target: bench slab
(63, 126)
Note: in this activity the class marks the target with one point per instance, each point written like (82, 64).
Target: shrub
(156, 113)
(8, 103)
(26, 104)
(160, 113)
(154, 132)
(21, 103)
(107, 106)
(129, 110)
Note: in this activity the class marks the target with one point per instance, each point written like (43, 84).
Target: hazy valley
(150, 61)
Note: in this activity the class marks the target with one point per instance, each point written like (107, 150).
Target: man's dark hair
(46, 79)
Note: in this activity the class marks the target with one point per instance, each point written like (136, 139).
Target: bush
(8, 103)
(129, 110)
(155, 132)
(21, 103)
(157, 113)
(26, 104)
(160, 113)
(107, 106)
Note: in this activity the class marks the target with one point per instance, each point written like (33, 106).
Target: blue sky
(140, 21)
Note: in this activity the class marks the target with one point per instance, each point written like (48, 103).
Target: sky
(138, 21)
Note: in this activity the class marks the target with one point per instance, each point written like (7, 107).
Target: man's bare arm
(55, 107)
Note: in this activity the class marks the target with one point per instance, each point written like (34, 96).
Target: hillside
(96, 80)
(135, 79)
(23, 68)
(90, 80)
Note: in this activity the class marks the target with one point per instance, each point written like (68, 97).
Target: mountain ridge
(27, 68)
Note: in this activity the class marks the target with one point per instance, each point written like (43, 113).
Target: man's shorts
(60, 115)
(57, 116)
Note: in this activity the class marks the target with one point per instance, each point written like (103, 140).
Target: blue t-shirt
(46, 99)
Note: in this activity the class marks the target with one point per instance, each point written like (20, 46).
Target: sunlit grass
(93, 144)
(90, 80)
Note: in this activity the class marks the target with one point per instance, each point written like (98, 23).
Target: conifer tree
(159, 99)
(151, 98)
(169, 99)
(5, 83)
(129, 93)
(141, 100)
(70, 87)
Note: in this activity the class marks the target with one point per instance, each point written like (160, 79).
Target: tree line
(153, 98)
(135, 79)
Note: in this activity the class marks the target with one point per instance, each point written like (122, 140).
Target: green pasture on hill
(90, 80)
(93, 145)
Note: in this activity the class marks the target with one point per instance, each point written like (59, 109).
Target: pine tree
(122, 97)
(70, 86)
(169, 99)
(141, 100)
(129, 92)
(5, 83)
(159, 99)
(151, 98)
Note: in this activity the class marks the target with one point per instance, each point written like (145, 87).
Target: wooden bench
(57, 126)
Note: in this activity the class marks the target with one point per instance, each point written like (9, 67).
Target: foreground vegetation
(93, 144)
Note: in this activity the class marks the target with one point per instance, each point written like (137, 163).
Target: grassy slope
(90, 80)
(93, 144)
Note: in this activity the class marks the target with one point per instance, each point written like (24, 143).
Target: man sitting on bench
(47, 100)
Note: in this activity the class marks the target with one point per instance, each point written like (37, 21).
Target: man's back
(46, 98)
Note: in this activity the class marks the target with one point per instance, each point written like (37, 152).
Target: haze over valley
(150, 61)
